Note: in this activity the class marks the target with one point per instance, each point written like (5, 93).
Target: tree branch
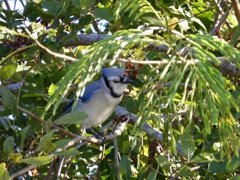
(224, 17)
(37, 118)
(7, 4)
(236, 7)
(86, 39)
(116, 155)
(151, 131)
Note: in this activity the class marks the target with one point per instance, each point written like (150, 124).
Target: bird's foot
(97, 134)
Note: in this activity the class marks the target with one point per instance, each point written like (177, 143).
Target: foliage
(181, 90)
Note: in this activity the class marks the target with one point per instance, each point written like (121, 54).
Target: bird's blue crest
(108, 72)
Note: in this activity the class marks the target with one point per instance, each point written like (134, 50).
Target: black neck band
(113, 94)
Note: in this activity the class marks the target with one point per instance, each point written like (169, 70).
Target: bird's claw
(97, 134)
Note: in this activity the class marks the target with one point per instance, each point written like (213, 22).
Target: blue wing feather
(89, 91)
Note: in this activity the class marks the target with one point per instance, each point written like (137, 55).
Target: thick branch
(86, 39)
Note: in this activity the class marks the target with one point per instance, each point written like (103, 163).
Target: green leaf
(47, 146)
(103, 13)
(142, 173)
(184, 171)
(72, 118)
(23, 136)
(125, 167)
(4, 172)
(38, 161)
(214, 167)
(152, 175)
(154, 21)
(235, 36)
(173, 145)
(5, 123)
(51, 89)
(69, 152)
(123, 143)
(51, 7)
(45, 142)
(86, 4)
(233, 165)
(236, 177)
(163, 162)
(187, 144)
(61, 142)
(15, 157)
(8, 70)
(8, 145)
(199, 22)
(8, 99)
(104, 169)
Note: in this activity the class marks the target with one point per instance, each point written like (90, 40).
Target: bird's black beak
(128, 80)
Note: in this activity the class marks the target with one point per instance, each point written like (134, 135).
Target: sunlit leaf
(51, 89)
(38, 161)
(163, 162)
(187, 144)
(3, 172)
(69, 152)
(8, 70)
(72, 118)
(45, 142)
(15, 157)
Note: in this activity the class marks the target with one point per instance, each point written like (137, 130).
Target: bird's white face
(117, 84)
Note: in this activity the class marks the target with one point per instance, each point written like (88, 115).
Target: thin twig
(37, 118)
(222, 20)
(60, 168)
(22, 3)
(167, 84)
(63, 56)
(218, 15)
(22, 171)
(157, 62)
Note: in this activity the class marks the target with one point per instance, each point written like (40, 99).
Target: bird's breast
(98, 108)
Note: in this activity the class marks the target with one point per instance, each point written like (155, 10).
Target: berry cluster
(227, 36)
(122, 118)
(17, 43)
(133, 71)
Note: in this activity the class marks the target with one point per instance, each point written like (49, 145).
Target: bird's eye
(116, 81)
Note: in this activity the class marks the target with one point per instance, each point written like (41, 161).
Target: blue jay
(101, 97)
